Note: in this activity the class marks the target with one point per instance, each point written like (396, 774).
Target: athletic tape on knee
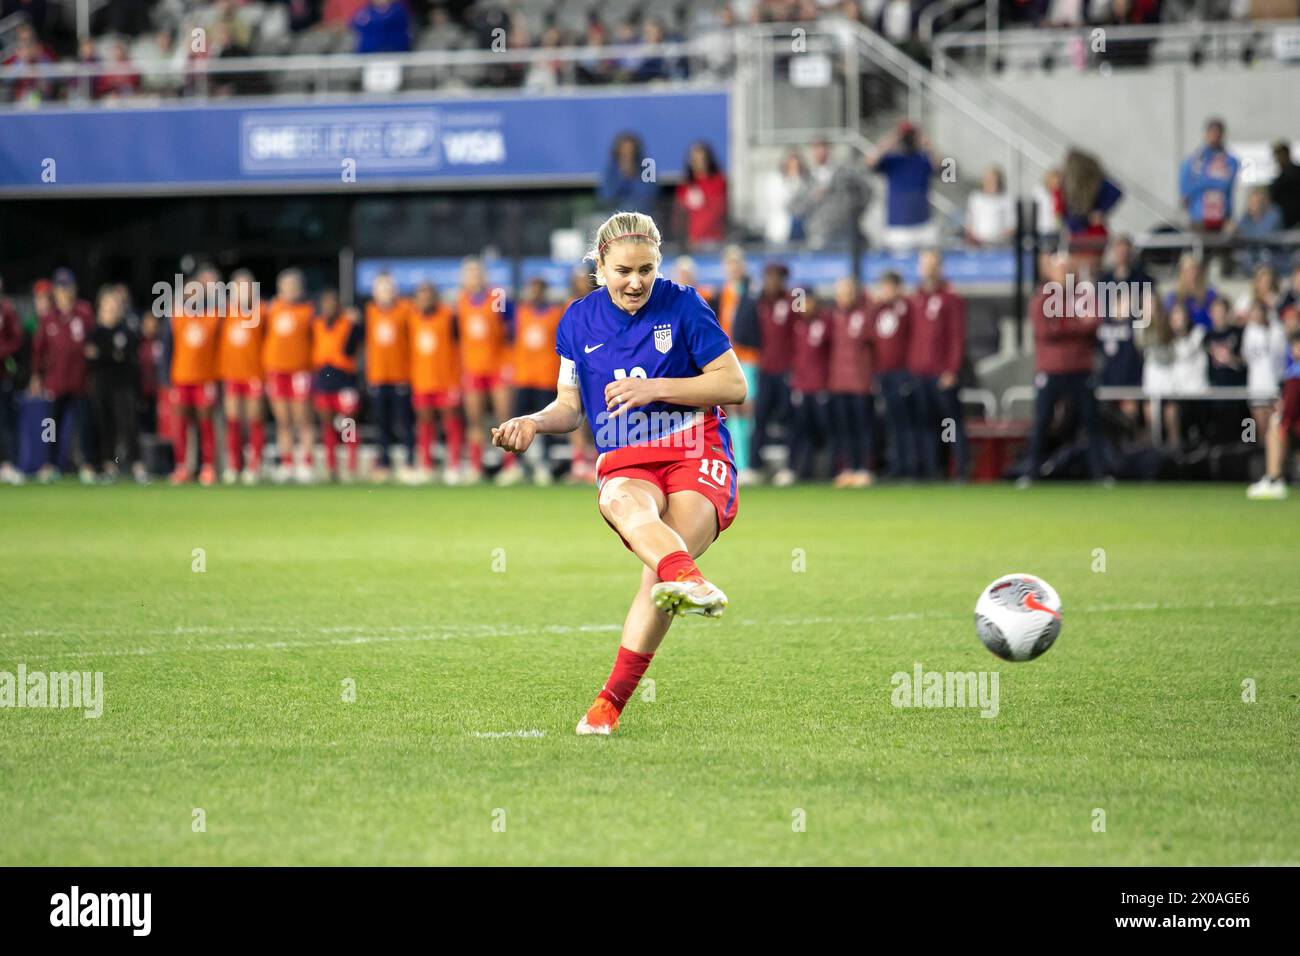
(639, 518)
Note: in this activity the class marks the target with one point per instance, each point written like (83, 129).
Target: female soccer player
(649, 362)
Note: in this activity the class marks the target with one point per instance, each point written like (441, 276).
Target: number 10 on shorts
(715, 469)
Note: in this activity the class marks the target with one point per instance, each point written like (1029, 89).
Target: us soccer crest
(663, 338)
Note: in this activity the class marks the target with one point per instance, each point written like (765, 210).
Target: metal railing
(320, 71)
(1170, 42)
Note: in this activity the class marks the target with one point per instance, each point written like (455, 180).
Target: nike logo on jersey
(591, 348)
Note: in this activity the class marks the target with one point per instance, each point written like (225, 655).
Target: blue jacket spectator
(1206, 179)
(1261, 218)
(624, 185)
(383, 26)
(907, 170)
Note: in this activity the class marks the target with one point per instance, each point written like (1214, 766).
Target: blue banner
(523, 139)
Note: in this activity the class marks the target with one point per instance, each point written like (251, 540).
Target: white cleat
(509, 475)
(689, 597)
(229, 476)
(783, 478)
(1267, 489)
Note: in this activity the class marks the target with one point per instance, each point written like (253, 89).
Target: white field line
(508, 733)
(402, 634)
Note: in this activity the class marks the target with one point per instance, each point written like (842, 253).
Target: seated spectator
(1206, 179)
(547, 74)
(653, 67)
(160, 61)
(785, 194)
(382, 26)
(1260, 219)
(701, 199)
(1084, 202)
(627, 184)
(838, 195)
(84, 87)
(1288, 305)
(28, 53)
(1285, 189)
(1191, 291)
(119, 77)
(903, 158)
(990, 212)
(1127, 51)
(595, 69)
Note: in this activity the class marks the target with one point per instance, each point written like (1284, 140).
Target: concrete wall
(1143, 123)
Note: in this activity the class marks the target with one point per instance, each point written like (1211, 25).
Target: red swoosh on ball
(1032, 603)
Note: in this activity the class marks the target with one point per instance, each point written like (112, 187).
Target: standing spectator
(59, 374)
(382, 26)
(113, 354)
(1064, 337)
(153, 373)
(1083, 202)
(776, 330)
(785, 194)
(1260, 219)
(1224, 369)
(1288, 305)
(628, 184)
(1263, 291)
(1206, 179)
(1191, 291)
(891, 328)
(936, 348)
(702, 197)
(1121, 360)
(1125, 267)
(852, 405)
(1284, 427)
(904, 158)
(1047, 222)
(990, 212)
(11, 341)
(1285, 189)
(809, 399)
(837, 197)
(1174, 365)
(1263, 350)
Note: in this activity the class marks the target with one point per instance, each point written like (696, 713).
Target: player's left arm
(720, 382)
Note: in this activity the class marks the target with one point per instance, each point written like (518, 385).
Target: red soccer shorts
(715, 478)
(482, 383)
(448, 398)
(249, 389)
(345, 401)
(196, 396)
(288, 386)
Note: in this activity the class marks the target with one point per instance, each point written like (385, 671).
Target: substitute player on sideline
(667, 488)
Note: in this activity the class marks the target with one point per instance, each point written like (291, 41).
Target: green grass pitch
(476, 624)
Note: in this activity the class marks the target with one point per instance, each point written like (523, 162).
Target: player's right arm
(561, 416)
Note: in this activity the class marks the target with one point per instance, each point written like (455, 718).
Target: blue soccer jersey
(674, 335)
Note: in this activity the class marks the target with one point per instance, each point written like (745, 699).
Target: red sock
(257, 436)
(476, 455)
(182, 444)
(331, 438)
(629, 667)
(508, 460)
(234, 445)
(425, 439)
(207, 441)
(455, 436)
(677, 566)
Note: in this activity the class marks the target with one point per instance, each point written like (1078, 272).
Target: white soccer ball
(1018, 617)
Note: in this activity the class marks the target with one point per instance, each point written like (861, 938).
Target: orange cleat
(207, 476)
(602, 718)
(180, 476)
